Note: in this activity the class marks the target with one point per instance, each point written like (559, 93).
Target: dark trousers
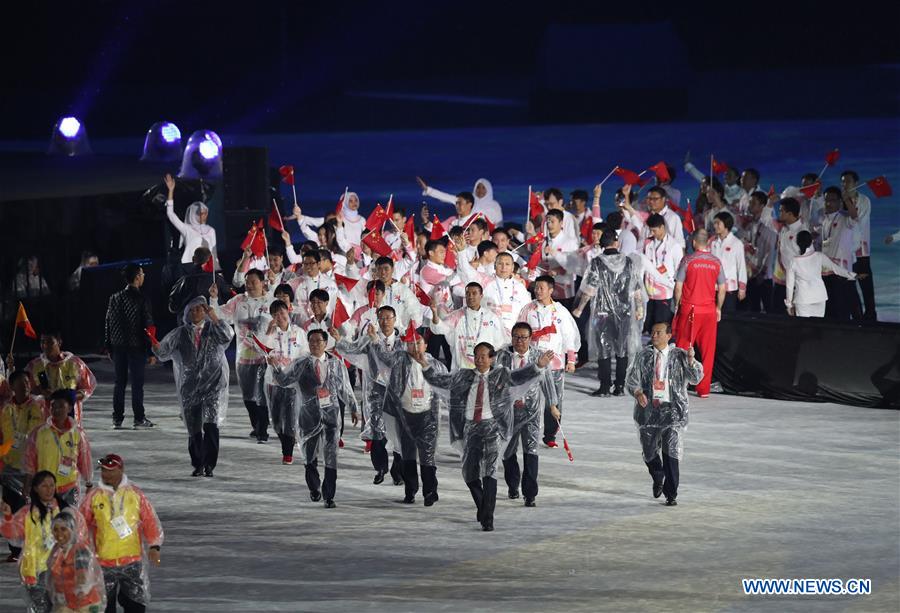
(411, 478)
(484, 493)
(776, 306)
(378, 455)
(287, 444)
(863, 266)
(204, 447)
(528, 478)
(328, 486)
(16, 501)
(128, 605)
(841, 297)
(759, 296)
(665, 468)
(437, 344)
(125, 361)
(729, 305)
(658, 311)
(259, 418)
(550, 425)
(604, 371)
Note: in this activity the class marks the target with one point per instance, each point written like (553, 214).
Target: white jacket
(730, 252)
(804, 283)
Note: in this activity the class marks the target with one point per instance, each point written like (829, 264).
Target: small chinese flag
(535, 208)
(340, 314)
(347, 282)
(22, 322)
(534, 260)
(376, 242)
(372, 297)
(587, 228)
(424, 300)
(340, 205)
(275, 218)
(810, 190)
(832, 157)
(771, 193)
(545, 331)
(208, 265)
(535, 239)
(450, 258)
(630, 177)
(880, 187)
(151, 334)
(687, 220)
(389, 211)
(376, 219)
(410, 334)
(718, 167)
(661, 172)
(410, 229)
(437, 229)
(287, 174)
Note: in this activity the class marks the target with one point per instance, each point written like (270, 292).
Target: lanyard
(58, 444)
(552, 307)
(512, 291)
(656, 258)
(477, 328)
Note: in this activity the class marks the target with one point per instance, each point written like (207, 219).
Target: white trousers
(815, 309)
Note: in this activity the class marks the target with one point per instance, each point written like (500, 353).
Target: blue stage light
(208, 149)
(69, 138)
(163, 143)
(69, 127)
(202, 157)
(170, 132)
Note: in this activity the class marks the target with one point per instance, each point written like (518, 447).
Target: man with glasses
(313, 279)
(657, 203)
(527, 411)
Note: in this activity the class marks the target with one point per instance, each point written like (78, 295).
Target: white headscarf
(192, 216)
(487, 204)
(348, 213)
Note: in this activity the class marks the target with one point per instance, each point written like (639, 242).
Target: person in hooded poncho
(381, 426)
(409, 397)
(197, 349)
(658, 380)
(481, 416)
(324, 388)
(74, 577)
(527, 412)
(194, 230)
(614, 286)
(484, 199)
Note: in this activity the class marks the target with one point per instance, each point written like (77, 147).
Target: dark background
(290, 66)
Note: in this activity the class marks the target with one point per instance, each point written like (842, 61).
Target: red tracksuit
(702, 273)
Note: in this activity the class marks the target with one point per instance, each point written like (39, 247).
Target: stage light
(69, 138)
(202, 157)
(163, 143)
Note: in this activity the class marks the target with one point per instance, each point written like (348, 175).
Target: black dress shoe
(657, 489)
(207, 472)
(619, 391)
(315, 496)
(513, 494)
(529, 502)
(252, 433)
(329, 504)
(398, 481)
(197, 472)
(600, 392)
(671, 502)
(409, 499)
(488, 527)
(379, 478)
(431, 498)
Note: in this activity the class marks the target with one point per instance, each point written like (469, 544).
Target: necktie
(318, 370)
(479, 400)
(197, 332)
(657, 374)
(521, 361)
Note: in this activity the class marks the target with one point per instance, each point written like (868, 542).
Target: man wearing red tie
(699, 293)
(658, 380)
(481, 415)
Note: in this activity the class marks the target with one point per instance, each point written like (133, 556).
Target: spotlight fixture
(202, 157)
(163, 143)
(69, 138)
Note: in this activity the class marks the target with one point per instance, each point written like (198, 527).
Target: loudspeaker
(245, 178)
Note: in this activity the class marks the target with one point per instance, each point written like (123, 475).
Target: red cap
(111, 460)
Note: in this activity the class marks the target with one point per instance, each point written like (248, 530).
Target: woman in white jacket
(194, 230)
(806, 295)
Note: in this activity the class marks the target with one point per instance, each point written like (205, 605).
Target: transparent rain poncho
(284, 401)
(410, 397)
(319, 416)
(481, 440)
(661, 426)
(201, 373)
(618, 297)
(249, 316)
(361, 352)
(74, 577)
(528, 411)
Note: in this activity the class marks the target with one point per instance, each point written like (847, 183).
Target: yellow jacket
(99, 508)
(16, 422)
(25, 529)
(64, 452)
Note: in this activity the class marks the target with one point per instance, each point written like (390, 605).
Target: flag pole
(391, 218)
(609, 175)
(293, 188)
(12, 343)
(824, 168)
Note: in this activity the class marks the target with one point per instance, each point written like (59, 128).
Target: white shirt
(505, 297)
(473, 395)
(787, 249)
(664, 256)
(287, 346)
(466, 328)
(416, 382)
(730, 251)
(661, 371)
(563, 262)
(304, 285)
(864, 206)
(406, 306)
(565, 342)
(840, 238)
